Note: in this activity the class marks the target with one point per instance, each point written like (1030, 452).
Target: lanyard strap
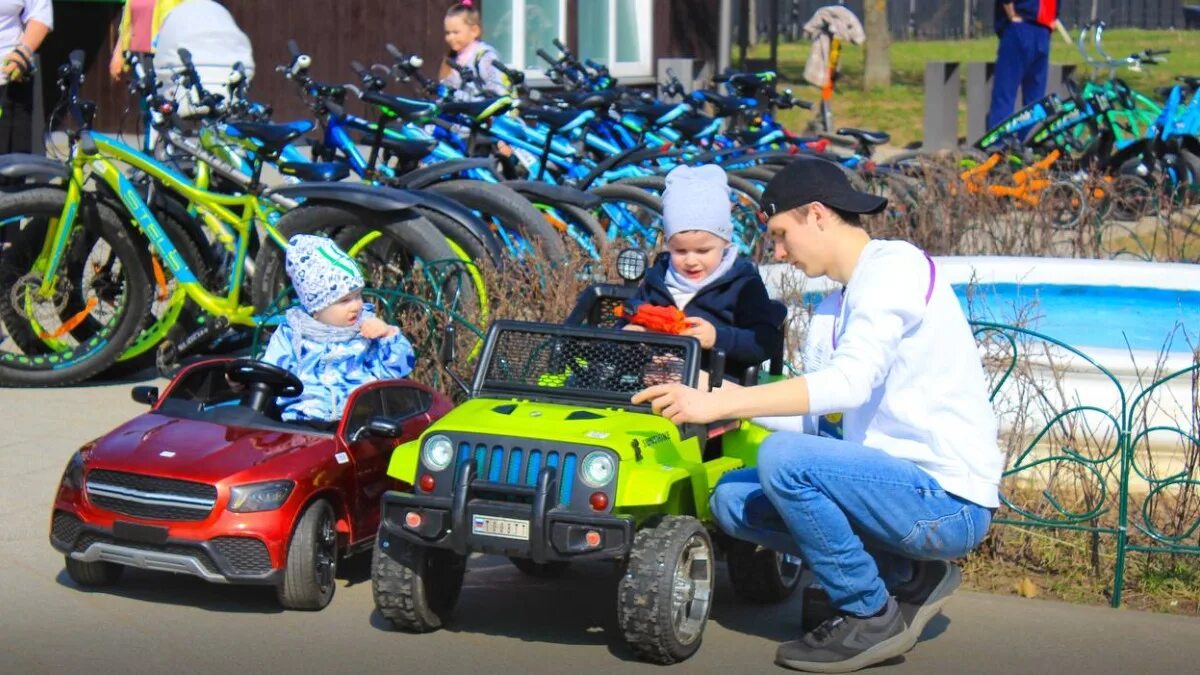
(842, 298)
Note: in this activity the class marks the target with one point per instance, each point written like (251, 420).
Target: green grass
(899, 108)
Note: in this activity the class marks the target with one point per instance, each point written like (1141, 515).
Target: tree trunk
(879, 44)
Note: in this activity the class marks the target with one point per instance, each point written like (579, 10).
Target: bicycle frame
(224, 208)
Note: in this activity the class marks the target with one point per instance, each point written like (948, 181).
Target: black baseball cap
(811, 179)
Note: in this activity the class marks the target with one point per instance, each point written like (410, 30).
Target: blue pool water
(1092, 316)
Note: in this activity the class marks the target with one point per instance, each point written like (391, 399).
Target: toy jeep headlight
(597, 469)
(437, 453)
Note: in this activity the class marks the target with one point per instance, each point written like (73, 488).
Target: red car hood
(193, 450)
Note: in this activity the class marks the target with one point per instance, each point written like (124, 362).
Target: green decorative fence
(1086, 455)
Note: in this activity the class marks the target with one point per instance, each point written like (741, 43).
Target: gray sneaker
(844, 643)
(920, 599)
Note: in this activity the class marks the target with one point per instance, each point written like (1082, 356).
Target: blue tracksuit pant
(1022, 60)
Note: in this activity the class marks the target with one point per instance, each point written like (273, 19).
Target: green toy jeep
(548, 462)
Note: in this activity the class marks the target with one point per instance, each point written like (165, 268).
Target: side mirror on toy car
(446, 357)
(144, 394)
(383, 427)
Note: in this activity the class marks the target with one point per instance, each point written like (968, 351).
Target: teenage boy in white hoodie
(914, 479)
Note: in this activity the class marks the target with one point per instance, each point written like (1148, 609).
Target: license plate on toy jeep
(507, 528)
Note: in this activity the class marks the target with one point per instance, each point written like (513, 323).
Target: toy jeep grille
(576, 363)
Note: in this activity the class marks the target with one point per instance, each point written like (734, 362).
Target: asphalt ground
(505, 622)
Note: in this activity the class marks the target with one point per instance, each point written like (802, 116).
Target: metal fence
(950, 19)
(1108, 456)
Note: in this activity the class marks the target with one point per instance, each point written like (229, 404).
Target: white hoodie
(906, 374)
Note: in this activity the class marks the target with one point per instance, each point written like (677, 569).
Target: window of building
(613, 32)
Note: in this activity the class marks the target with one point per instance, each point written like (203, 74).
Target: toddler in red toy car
(333, 342)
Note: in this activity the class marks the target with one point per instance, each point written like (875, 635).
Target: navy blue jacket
(748, 323)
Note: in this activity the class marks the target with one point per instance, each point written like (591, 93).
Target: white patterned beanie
(697, 198)
(320, 272)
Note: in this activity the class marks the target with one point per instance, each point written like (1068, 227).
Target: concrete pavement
(505, 622)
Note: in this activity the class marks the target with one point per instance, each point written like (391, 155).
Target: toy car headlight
(437, 453)
(259, 496)
(597, 469)
(73, 475)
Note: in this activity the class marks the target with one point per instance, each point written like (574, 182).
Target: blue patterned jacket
(332, 368)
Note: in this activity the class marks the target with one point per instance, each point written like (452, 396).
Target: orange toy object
(654, 317)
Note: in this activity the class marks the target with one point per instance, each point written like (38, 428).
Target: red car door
(403, 404)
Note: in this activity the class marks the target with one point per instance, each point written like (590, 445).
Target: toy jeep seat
(595, 304)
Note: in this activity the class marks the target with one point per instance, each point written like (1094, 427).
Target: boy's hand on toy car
(375, 327)
(701, 330)
(680, 403)
(634, 327)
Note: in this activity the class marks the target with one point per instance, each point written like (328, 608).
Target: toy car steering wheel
(265, 382)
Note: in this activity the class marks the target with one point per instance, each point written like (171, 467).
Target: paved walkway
(504, 623)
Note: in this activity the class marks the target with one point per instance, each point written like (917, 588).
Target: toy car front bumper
(536, 530)
(224, 560)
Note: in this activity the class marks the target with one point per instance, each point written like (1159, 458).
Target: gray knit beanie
(697, 198)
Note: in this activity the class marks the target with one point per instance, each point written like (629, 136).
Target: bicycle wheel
(99, 300)
(398, 250)
(744, 197)
(629, 214)
(518, 223)
(172, 314)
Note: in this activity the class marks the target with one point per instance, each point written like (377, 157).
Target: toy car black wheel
(415, 587)
(96, 573)
(664, 598)
(546, 570)
(761, 575)
(308, 575)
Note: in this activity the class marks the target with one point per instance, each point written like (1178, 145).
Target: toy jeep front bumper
(506, 519)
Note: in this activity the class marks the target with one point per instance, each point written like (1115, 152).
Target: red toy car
(210, 482)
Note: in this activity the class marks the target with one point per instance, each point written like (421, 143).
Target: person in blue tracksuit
(1023, 57)
(333, 342)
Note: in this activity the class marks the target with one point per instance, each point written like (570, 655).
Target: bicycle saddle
(272, 136)
(405, 108)
(404, 149)
(865, 136)
(689, 126)
(725, 105)
(475, 109)
(557, 120)
(652, 111)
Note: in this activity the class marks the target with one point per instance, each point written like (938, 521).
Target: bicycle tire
(617, 194)
(514, 213)
(414, 234)
(583, 221)
(99, 346)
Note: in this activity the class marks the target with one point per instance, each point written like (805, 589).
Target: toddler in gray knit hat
(722, 295)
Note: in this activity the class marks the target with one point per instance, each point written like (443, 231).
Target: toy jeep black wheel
(664, 598)
(546, 570)
(308, 575)
(759, 574)
(98, 573)
(415, 587)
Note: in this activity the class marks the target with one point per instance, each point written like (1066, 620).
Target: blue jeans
(857, 516)
(1022, 59)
